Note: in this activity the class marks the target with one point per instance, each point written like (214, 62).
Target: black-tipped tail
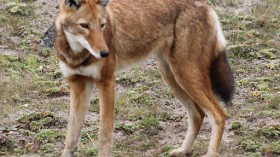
(222, 78)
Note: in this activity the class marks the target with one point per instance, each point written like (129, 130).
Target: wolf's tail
(222, 78)
(220, 72)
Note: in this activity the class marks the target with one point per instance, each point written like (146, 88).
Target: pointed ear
(103, 3)
(73, 3)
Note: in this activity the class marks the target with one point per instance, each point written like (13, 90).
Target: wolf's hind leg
(195, 119)
(195, 114)
(197, 84)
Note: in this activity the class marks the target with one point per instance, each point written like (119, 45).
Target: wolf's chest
(92, 70)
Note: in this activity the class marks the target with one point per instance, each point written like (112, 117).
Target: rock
(49, 37)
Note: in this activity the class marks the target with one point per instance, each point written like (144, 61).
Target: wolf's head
(83, 23)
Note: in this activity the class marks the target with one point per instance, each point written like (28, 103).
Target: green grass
(36, 72)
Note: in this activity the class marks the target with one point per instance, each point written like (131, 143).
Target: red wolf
(96, 38)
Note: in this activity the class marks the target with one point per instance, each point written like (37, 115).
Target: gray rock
(49, 37)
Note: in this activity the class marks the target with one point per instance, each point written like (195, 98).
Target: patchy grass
(264, 141)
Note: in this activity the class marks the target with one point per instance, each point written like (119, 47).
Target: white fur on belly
(89, 71)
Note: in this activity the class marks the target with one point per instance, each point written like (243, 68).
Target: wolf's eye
(103, 25)
(84, 25)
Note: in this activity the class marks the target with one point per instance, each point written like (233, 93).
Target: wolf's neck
(66, 53)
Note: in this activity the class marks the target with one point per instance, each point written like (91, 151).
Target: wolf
(97, 38)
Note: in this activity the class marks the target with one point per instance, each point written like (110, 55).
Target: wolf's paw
(179, 152)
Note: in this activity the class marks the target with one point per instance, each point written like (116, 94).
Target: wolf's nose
(104, 54)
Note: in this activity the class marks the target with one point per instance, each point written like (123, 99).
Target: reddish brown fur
(182, 34)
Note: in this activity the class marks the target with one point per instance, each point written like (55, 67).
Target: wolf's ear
(73, 3)
(103, 3)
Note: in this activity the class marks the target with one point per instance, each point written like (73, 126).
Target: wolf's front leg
(106, 94)
(81, 89)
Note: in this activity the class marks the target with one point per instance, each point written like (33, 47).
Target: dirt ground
(149, 120)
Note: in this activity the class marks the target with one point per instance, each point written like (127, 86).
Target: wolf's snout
(104, 54)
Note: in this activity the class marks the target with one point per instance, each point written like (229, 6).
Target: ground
(150, 122)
